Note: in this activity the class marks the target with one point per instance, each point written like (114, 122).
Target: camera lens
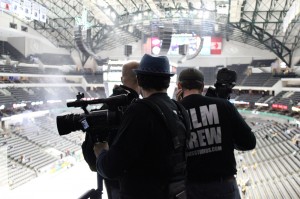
(68, 123)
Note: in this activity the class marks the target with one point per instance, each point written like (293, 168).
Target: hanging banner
(43, 16)
(206, 46)
(35, 11)
(5, 5)
(27, 8)
(16, 6)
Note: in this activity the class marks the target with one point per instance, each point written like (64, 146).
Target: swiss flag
(216, 45)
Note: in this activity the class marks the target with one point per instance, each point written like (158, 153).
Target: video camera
(226, 80)
(96, 122)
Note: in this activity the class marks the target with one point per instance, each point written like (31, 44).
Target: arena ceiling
(115, 23)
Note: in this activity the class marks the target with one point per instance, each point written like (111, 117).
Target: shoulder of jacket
(139, 104)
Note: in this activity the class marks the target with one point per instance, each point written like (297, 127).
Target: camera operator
(129, 86)
(217, 129)
(226, 80)
(148, 155)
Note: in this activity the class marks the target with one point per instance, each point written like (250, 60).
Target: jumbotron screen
(210, 46)
(193, 41)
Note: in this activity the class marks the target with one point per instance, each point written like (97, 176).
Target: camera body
(98, 123)
(226, 80)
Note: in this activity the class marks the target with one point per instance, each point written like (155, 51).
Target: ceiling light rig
(170, 16)
(99, 12)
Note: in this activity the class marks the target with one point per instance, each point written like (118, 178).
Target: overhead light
(216, 27)
(96, 9)
(153, 7)
(206, 15)
(113, 15)
(200, 13)
(194, 12)
(140, 16)
(2, 107)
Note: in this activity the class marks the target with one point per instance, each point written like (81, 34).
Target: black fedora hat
(150, 65)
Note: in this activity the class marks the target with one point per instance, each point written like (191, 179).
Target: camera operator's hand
(179, 95)
(99, 147)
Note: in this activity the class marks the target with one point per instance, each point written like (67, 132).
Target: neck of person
(132, 86)
(149, 92)
(187, 92)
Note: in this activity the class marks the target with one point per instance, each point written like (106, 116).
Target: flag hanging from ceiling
(5, 5)
(35, 8)
(206, 46)
(16, 6)
(216, 45)
(27, 8)
(43, 15)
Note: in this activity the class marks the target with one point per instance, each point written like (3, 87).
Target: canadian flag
(216, 45)
(4, 6)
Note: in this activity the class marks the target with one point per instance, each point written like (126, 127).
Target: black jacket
(141, 155)
(217, 129)
(88, 144)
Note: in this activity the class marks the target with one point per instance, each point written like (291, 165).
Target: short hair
(191, 78)
(192, 84)
(155, 82)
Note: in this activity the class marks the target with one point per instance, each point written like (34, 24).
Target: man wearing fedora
(148, 154)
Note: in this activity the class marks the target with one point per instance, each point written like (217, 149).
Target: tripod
(94, 193)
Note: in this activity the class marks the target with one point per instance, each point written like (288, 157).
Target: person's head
(153, 73)
(128, 75)
(191, 79)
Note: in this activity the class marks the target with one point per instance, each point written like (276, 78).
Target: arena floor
(69, 184)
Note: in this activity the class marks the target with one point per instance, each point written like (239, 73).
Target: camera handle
(94, 193)
(79, 98)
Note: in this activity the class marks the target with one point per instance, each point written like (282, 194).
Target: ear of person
(179, 94)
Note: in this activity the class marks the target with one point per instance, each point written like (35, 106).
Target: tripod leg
(108, 189)
(99, 190)
(96, 195)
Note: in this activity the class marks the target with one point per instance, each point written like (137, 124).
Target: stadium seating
(240, 70)
(272, 169)
(262, 62)
(28, 149)
(55, 59)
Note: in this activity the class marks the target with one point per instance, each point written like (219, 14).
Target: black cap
(226, 76)
(191, 74)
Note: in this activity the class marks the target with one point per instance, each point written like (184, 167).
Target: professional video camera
(226, 80)
(96, 122)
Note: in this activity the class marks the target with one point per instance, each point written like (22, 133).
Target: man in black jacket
(130, 87)
(148, 155)
(217, 129)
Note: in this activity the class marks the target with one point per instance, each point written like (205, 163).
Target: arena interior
(53, 51)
